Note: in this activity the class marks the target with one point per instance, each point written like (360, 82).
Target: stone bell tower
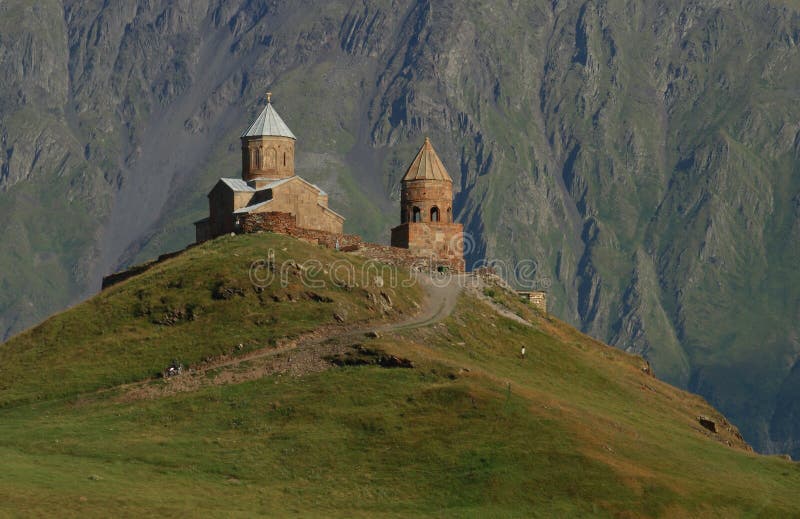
(268, 147)
(427, 189)
(426, 211)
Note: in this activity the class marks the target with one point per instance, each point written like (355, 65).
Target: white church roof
(269, 124)
(237, 184)
(251, 208)
(241, 186)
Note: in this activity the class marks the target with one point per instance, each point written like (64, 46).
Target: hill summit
(261, 375)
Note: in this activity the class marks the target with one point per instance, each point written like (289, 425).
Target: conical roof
(427, 165)
(269, 124)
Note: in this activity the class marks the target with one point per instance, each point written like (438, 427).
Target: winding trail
(305, 354)
(441, 298)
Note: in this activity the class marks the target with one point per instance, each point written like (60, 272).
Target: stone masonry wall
(119, 277)
(407, 258)
(286, 223)
(267, 157)
(426, 194)
(273, 221)
(536, 298)
(442, 240)
(307, 204)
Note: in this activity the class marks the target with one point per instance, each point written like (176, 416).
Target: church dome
(426, 194)
(268, 147)
(269, 124)
(427, 166)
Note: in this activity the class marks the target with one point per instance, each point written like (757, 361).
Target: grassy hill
(645, 155)
(311, 416)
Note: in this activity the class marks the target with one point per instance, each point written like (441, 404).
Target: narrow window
(257, 159)
(284, 158)
(271, 158)
(449, 215)
(417, 215)
(434, 214)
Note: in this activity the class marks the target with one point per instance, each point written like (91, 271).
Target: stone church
(271, 197)
(268, 185)
(426, 211)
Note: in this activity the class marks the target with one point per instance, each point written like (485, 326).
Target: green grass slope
(472, 430)
(197, 306)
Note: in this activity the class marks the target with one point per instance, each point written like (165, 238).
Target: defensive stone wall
(286, 223)
(273, 221)
(119, 277)
(407, 258)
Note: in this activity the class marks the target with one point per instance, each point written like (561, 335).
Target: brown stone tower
(426, 211)
(268, 147)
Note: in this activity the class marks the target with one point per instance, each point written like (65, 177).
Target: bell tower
(268, 147)
(427, 190)
(426, 210)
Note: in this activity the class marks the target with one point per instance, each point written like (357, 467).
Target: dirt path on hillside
(441, 298)
(476, 290)
(306, 354)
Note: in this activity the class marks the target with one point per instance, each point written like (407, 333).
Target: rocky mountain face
(643, 154)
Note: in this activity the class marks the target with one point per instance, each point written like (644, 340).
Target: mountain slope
(643, 155)
(329, 424)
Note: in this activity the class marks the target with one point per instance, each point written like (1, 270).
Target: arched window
(434, 214)
(284, 159)
(417, 215)
(449, 215)
(257, 158)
